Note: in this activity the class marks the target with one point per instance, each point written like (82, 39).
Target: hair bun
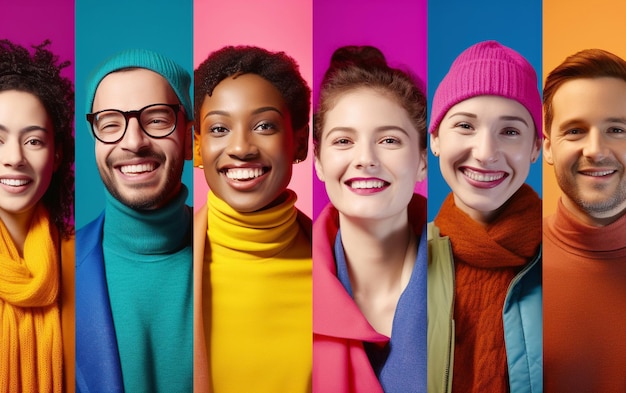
(360, 56)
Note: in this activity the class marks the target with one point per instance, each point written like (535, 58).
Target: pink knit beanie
(488, 68)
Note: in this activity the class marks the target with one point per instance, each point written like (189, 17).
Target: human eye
(390, 140)
(218, 130)
(616, 130)
(158, 118)
(464, 127)
(266, 127)
(34, 142)
(341, 141)
(511, 132)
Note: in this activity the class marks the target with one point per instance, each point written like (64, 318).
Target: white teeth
(134, 169)
(244, 173)
(598, 174)
(367, 184)
(14, 182)
(484, 177)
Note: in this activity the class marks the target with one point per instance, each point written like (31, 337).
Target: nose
(486, 148)
(241, 145)
(134, 139)
(595, 148)
(11, 154)
(366, 156)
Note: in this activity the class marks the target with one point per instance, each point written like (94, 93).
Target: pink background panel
(397, 27)
(280, 25)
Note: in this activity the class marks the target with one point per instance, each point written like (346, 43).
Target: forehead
(132, 89)
(489, 106)
(589, 100)
(244, 92)
(19, 107)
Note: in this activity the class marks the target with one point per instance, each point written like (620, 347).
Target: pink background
(30, 22)
(397, 27)
(280, 25)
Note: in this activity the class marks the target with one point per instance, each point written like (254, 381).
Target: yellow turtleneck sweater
(260, 310)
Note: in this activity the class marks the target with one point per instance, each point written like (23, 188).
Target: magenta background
(30, 22)
(397, 27)
(279, 25)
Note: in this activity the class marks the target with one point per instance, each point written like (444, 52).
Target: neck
(380, 257)
(599, 220)
(18, 225)
(158, 231)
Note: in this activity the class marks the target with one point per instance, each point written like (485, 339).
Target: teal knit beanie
(176, 76)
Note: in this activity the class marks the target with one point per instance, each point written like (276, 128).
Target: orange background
(568, 27)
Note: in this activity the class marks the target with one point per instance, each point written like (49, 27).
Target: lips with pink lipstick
(369, 185)
(483, 178)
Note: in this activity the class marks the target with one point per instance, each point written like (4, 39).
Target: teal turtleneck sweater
(148, 264)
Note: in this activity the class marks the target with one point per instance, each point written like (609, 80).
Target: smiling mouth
(483, 177)
(243, 174)
(137, 169)
(15, 182)
(367, 184)
(598, 173)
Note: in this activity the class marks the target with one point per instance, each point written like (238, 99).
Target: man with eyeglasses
(134, 281)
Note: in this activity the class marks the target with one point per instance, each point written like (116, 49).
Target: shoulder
(89, 238)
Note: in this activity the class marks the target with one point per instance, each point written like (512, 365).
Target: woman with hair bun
(369, 243)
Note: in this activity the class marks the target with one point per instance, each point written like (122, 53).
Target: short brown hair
(354, 67)
(588, 63)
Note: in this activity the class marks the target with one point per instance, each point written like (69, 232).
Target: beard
(146, 200)
(599, 199)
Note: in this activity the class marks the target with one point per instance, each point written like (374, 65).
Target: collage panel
(36, 197)
(485, 124)
(134, 282)
(252, 240)
(369, 234)
(584, 76)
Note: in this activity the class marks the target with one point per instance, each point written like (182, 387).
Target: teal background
(104, 28)
(455, 25)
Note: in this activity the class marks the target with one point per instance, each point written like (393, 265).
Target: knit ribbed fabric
(148, 265)
(31, 348)
(260, 272)
(178, 78)
(488, 68)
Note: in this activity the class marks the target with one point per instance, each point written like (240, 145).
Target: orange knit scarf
(31, 350)
(486, 259)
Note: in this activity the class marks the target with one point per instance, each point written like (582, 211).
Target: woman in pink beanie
(484, 272)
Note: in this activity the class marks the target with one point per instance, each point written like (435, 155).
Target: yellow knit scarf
(31, 350)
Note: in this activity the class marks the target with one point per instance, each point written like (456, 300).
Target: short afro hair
(276, 67)
(39, 74)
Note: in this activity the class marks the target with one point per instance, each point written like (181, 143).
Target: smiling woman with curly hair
(36, 229)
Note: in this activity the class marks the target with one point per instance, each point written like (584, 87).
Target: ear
(423, 166)
(189, 140)
(434, 143)
(301, 143)
(319, 169)
(534, 155)
(547, 151)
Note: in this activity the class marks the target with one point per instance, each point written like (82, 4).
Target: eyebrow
(505, 117)
(578, 122)
(254, 112)
(26, 129)
(377, 129)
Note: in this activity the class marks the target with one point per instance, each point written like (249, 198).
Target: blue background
(104, 28)
(455, 25)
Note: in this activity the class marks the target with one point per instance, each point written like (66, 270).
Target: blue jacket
(98, 367)
(521, 315)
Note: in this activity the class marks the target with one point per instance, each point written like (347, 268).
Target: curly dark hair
(354, 67)
(276, 67)
(39, 74)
